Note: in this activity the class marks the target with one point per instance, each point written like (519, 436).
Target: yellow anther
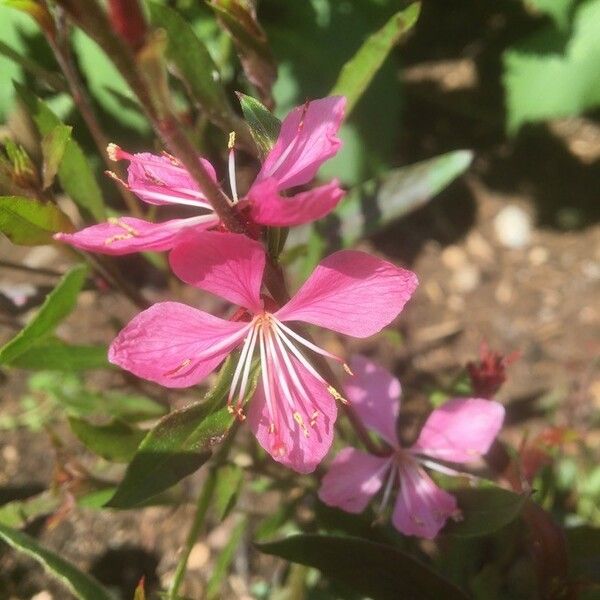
(272, 428)
(298, 418)
(231, 142)
(186, 363)
(337, 395)
(112, 150)
(128, 228)
(347, 369)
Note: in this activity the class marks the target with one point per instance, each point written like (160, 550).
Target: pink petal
(293, 449)
(267, 207)
(127, 234)
(160, 179)
(422, 508)
(353, 293)
(229, 265)
(175, 345)
(306, 140)
(354, 477)
(461, 430)
(374, 394)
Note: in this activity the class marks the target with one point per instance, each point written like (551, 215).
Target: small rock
(538, 256)
(454, 257)
(198, 556)
(42, 596)
(513, 227)
(466, 279)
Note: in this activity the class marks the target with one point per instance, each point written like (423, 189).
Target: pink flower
(307, 139)
(294, 410)
(460, 431)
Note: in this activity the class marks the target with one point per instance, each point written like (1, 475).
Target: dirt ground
(541, 299)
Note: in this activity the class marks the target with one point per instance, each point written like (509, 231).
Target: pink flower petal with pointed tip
(175, 345)
(161, 180)
(267, 207)
(353, 293)
(127, 234)
(461, 430)
(422, 508)
(306, 140)
(374, 394)
(298, 452)
(353, 478)
(229, 265)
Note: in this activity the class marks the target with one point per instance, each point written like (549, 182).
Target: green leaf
(484, 510)
(194, 64)
(357, 73)
(177, 446)
(213, 587)
(545, 78)
(19, 512)
(82, 585)
(559, 10)
(376, 570)
(229, 483)
(29, 222)
(117, 441)
(75, 175)
(54, 145)
(59, 303)
(57, 355)
(264, 125)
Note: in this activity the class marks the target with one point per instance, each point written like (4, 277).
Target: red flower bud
(489, 373)
(128, 21)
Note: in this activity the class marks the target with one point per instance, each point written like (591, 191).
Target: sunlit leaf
(75, 175)
(117, 441)
(59, 303)
(357, 73)
(19, 512)
(29, 222)
(37, 11)
(57, 355)
(264, 125)
(54, 145)
(376, 570)
(82, 585)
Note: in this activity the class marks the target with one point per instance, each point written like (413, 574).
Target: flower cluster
(294, 408)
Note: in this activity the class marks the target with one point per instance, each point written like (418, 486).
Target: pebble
(42, 596)
(513, 226)
(538, 256)
(466, 279)
(198, 556)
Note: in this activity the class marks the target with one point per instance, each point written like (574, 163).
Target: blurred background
(509, 254)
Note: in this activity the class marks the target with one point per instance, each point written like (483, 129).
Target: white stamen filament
(434, 466)
(306, 343)
(231, 167)
(388, 488)
(170, 199)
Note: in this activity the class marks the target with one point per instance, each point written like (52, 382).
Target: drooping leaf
(82, 585)
(484, 510)
(376, 570)
(229, 483)
(545, 77)
(54, 145)
(75, 175)
(117, 441)
(55, 354)
(30, 222)
(177, 446)
(358, 72)
(238, 17)
(58, 304)
(219, 572)
(264, 125)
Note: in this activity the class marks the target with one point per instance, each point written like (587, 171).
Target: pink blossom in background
(460, 431)
(294, 410)
(307, 139)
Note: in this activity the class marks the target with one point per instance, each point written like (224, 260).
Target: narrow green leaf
(117, 441)
(55, 354)
(58, 304)
(177, 446)
(19, 512)
(29, 222)
(75, 174)
(54, 145)
(82, 585)
(357, 73)
(484, 510)
(376, 570)
(213, 588)
(229, 483)
(264, 125)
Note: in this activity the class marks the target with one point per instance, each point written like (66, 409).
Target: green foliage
(559, 10)
(75, 175)
(30, 222)
(228, 486)
(19, 512)
(376, 570)
(58, 305)
(54, 145)
(264, 125)
(358, 72)
(550, 75)
(83, 586)
(55, 354)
